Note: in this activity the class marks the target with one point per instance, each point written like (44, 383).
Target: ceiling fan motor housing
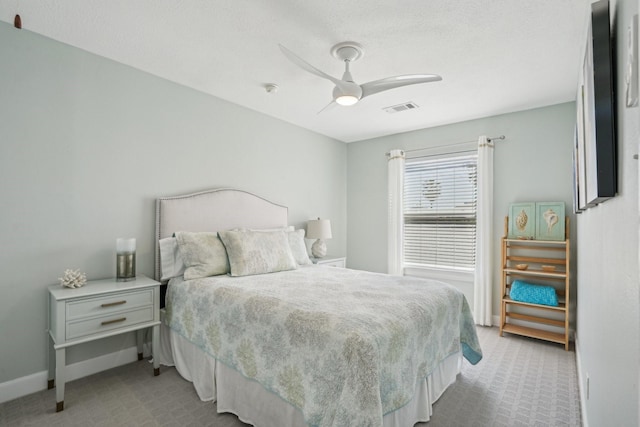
(347, 95)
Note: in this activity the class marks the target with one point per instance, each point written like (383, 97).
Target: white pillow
(257, 252)
(203, 253)
(171, 261)
(298, 247)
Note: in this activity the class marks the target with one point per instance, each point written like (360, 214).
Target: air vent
(401, 107)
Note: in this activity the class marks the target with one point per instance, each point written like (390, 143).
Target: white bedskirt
(254, 405)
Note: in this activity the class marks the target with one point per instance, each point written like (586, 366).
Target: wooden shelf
(539, 242)
(530, 318)
(535, 272)
(547, 252)
(537, 260)
(534, 333)
(560, 307)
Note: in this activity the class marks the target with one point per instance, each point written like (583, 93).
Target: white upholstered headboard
(214, 210)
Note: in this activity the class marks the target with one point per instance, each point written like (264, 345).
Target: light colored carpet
(519, 382)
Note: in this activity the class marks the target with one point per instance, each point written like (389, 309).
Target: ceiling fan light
(346, 100)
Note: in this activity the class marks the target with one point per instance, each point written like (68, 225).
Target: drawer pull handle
(111, 304)
(108, 322)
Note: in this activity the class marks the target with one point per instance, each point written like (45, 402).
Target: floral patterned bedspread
(344, 346)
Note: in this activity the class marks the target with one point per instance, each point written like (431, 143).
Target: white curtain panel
(395, 218)
(483, 280)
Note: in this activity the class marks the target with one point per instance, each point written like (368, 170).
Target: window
(440, 197)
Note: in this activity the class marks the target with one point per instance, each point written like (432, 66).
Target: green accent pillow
(203, 253)
(257, 252)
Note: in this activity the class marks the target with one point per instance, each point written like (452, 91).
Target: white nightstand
(332, 261)
(99, 309)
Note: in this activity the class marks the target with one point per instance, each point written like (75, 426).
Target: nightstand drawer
(108, 304)
(97, 325)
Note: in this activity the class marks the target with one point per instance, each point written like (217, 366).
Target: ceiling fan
(346, 91)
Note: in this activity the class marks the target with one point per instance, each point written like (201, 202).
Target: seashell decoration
(551, 218)
(521, 220)
(73, 279)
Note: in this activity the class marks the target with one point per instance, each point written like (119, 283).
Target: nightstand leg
(60, 378)
(51, 383)
(140, 342)
(155, 348)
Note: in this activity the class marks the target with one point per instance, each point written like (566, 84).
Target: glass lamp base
(125, 267)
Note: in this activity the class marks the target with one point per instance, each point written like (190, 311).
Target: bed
(281, 342)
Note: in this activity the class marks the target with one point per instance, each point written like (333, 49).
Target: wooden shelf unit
(521, 318)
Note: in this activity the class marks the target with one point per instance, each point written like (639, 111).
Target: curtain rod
(495, 138)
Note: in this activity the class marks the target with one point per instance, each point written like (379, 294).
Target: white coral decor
(73, 279)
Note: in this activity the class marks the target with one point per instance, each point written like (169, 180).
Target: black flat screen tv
(599, 172)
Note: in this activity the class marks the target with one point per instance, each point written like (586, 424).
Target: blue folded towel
(535, 294)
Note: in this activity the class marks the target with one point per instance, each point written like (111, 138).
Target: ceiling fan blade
(397, 81)
(328, 107)
(310, 68)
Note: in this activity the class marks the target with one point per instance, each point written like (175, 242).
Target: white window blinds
(440, 195)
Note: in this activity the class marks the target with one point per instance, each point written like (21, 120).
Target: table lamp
(319, 229)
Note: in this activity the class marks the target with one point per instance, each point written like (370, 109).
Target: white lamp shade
(319, 229)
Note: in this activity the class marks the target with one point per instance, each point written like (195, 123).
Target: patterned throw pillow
(257, 252)
(203, 253)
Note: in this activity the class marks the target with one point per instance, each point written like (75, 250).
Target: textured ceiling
(495, 56)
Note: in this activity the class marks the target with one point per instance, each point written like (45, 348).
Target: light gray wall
(608, 321)
(534, 163)
(87, 145)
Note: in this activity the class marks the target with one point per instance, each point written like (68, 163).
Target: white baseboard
(19, 387)
(495, 320)
(583, 397)
(23, 386)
